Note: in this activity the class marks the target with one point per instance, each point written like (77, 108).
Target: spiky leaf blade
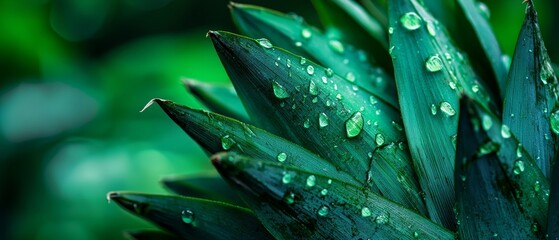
(292, 202)
(216, 133)
(206, 186)
(553, 211)
(149, 235)
(302, 39)
(193, 218)
(530, 109)
(324, 113)
(348, 21)
(486, 205)
(221, 99)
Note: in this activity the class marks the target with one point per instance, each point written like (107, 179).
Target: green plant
(409, 137)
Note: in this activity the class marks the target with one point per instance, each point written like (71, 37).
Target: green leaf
(475, 33)
(216, 133)
(553, 212)
(377, 10)
(430, 73)
(292, 202)
(349, 22)
(149, 235)
(324, 113)
(302, 39)
(444, 11)
(207, 186)
(486, 206)
(530, 107)
(218, 98)
(193, 218)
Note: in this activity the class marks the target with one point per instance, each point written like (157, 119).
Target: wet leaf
(292, 202)
(149, 235)
(349, 22)
(206, 186)
(221, 99)
(323, 113)
(216, 133)
(530, 109)
(293, 34)
(193, 218)
(553, 212)
(486, 205)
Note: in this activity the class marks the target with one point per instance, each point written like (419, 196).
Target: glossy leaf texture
(349, 22)
(206, 186)
(150, 235)
(531, 110)
(478, 39)
(430, 73)
(216, 133)
(553, 212)
(193, 218)
(292, 202)
(486, 205)
(296, 36)
(323, 113)
(220, 99)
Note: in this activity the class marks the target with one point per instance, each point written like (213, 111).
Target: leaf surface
(206, 186)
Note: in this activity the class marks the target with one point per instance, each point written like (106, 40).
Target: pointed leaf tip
(151, 102)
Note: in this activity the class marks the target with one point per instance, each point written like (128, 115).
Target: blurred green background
(74, 75)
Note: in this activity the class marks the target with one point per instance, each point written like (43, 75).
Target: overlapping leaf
(292, 202)
(530, 109)
(206, 186)
(323, 112)
(193, 218)
(293, 34)
(553, 212)
(150, 235)
(486, 206)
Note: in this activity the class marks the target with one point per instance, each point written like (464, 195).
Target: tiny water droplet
(382, 219)
(329, 181)
(324, 192)
(187, 216)
(354, 125)
(288, 63)
(313, 89)
(329, 72)
(397, 126)
(289, 198)
(227, 142)
(350, 77)
(323, 211)
(447, 109)
(537, 186)
(366, 212)
(307, 123)
(311, 181)
(286, 178)
(415, 234)
(487, 148)
(411, 21)
(433, 109)
(279, 90)
(554, 121)
(298, 44)
(265, 43)
(505, 131)
(546, 72)
(379, 139)
(336, 46)
(431, 29)
(339, 96)
(434, 64)
(452, 85)
(306, 33)
(302, 61)
(518, 167)
(519, 151)
(310, 70)
(322, 120)
(390, 30)
(486, 122)
(282, 157)
(484, 10)
(475, 88)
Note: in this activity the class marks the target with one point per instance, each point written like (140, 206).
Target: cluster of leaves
(402, 135)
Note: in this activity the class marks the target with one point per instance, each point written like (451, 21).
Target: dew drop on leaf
(390, 30)
(519, 151)
(282, 157)
(433, 109)
(313, 89)
(382, 219)
(311, 181)
(336, 46)
(310, 70)
(434, 64)
(484, 10)
(187, 216)
(289, 198)
(302, 61)
(279, 90)
(286, 178)
(329, 72)
(554, 121)
(447, 109)
(379, 139)
(350, 77)
(354, 125)
(486, 122)
(322, 120)
(227, 142)
(431, 29)
(307, 123)
(410, 21)
(505, 131)
(518, 167)
(306, 33)
(537, 186)
(366, 212)
(323, 192)
(323, 211)
(265, 43)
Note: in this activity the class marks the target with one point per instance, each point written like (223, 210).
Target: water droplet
(339, 96)
(323, 211)
(324, 192)
(382, 219)
(415, 234)
(336, 46)
(306, 33)
(187, 216)
(379, 139)
(366, 212)
(546, 72)
(518, 167)
(453, 140)
(484, 10)
(537, 186)
(487, 148)
(315, 100)
(282, 157)
(227, 142)
(411, 21)
(307, 123)
(302, 61)
(322, 120)
(475, 88)
(390, 30)
(452, 85)
(329, 72)
(554, 121)
(354, 125)
(313, 89)
(505, 131)
(310, 70)
(350, 77)
(434, 64)
(288, 63)
(402, 146)
(311, 181)
(447, 109)
(279, 90)
(519, 151)
(289, 198)
(431, 28)
(433, 109)
(286, 178)
(265, 43)
(329, 181)
(486, 122)
(397, 126)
